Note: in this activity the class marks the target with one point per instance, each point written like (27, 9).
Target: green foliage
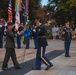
(65, 10)
(72, 3)
(33, 6)
(49, 35)
(63, 6)
(3, 8)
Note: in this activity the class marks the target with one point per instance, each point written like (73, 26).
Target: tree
(72, 3)
(33, 6)
(65, 10)
(3, 9)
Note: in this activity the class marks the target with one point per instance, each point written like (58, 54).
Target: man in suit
(42, 43)
(10, 48)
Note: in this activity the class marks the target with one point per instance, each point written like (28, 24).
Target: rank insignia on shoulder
(63, 32)
(38, 29)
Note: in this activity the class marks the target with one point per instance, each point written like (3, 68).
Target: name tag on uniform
(0, 25)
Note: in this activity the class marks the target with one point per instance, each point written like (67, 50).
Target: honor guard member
(42, 43)
(10, 48)
(66, 37)
(35, 36)
(19, 35)
(1, 32)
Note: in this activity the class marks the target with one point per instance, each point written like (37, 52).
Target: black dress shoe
(67, 56)
(35, 48)
(19, 48)
(19, 67)
(49, 66)
(36, 68)
(5, 68)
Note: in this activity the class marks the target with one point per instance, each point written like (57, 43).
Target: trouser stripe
(43, 58)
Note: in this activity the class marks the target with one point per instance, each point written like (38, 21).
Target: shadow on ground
(27, 66)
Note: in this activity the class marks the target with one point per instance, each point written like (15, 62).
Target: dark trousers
(1, 40)
(40, 56)
(36, 42)
(10, 52)
(67, 47)
(18, 41)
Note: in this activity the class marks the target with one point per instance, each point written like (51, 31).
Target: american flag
(10, 11)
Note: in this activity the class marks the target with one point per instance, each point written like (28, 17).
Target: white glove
(34, 30)
(18, 33)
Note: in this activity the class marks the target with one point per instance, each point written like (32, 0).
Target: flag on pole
(26, 6)
(23, 6)
(25, 12)
(10, 11)
(17, 15)
(17, 5)
(17, 20)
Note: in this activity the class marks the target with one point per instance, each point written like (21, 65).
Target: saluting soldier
(42, 43)
(10, 48)
(66, 37)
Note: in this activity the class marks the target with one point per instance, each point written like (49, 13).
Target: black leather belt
(41, 36)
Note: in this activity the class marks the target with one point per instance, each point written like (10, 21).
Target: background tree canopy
(60, 10)
(65, 10)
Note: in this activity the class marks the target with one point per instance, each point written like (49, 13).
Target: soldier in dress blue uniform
(21, 28)
(42, 43)
(1, 32)
(66, 37)
(35, 37)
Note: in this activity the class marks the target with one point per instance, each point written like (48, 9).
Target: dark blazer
(10, 42)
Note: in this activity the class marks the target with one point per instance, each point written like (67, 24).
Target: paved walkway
(62, 65)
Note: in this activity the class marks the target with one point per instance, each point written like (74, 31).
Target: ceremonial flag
(10, 11)
(26, 12)
(18, 5)
(22, 6)
(17, 20)
(17, 15)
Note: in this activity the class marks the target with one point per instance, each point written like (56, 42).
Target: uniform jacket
(41, 32)
(66, 34)
(10, 42)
